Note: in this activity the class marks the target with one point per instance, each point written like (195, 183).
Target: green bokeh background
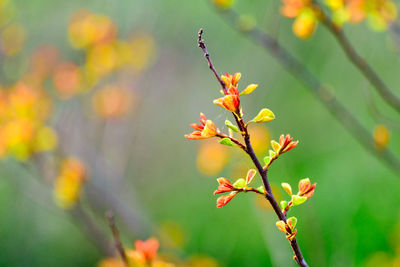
(354, 212)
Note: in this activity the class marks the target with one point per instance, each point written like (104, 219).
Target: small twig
(117, 240)
(234, 140)
(250, 151)
(359, 62)
(201, 44)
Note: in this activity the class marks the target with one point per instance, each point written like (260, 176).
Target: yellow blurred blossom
(305, 23)
(380, 13)
(102, 58)
(223, 3)
(212, 157)
(381, 136)
(23, 112)
(260, 138)
(86, 29)
(68, 184)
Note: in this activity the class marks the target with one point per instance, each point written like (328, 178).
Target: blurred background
(96, 97)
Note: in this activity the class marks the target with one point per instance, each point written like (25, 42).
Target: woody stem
(250, 151)
(269, 196)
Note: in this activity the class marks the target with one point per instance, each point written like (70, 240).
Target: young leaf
(249, 89)
(292, 221)
(287, 188)
(298, 200)
(261, 189)
(240, 183)
(226, 141)
(267, 160)
(250, 175)
(265, 115)
(231, 126)
(271, 154)
(283, 204)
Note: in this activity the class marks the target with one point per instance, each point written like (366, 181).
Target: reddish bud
(304, 185)
(223, 186)
(223, 200)
(305, 188)
(205, 129)
(229, 102)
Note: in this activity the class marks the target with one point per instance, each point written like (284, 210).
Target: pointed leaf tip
(287, 188)
(231, 126)
(265, 115)
(226, 141)
(249, 89)
(223, 200)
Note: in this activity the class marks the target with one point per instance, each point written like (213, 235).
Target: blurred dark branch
(359, 62)
(250, 151)
(91, 229)
(117, 240)
(80, 217)
(321, 92)
(377, 114)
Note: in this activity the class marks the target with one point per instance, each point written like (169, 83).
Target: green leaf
(249, 89)
(261, 189)
(240, 183)
(283, 204)
(265, 115)
(271, 154)
(292, 221)
(231, 126)
(226, 141)
(297, 200)
(267, 160)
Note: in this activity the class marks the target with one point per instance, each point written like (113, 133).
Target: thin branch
(250, 151)
(234, 140)
(117, 240)
(201, 44)
(359, 62)
(321, 92)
